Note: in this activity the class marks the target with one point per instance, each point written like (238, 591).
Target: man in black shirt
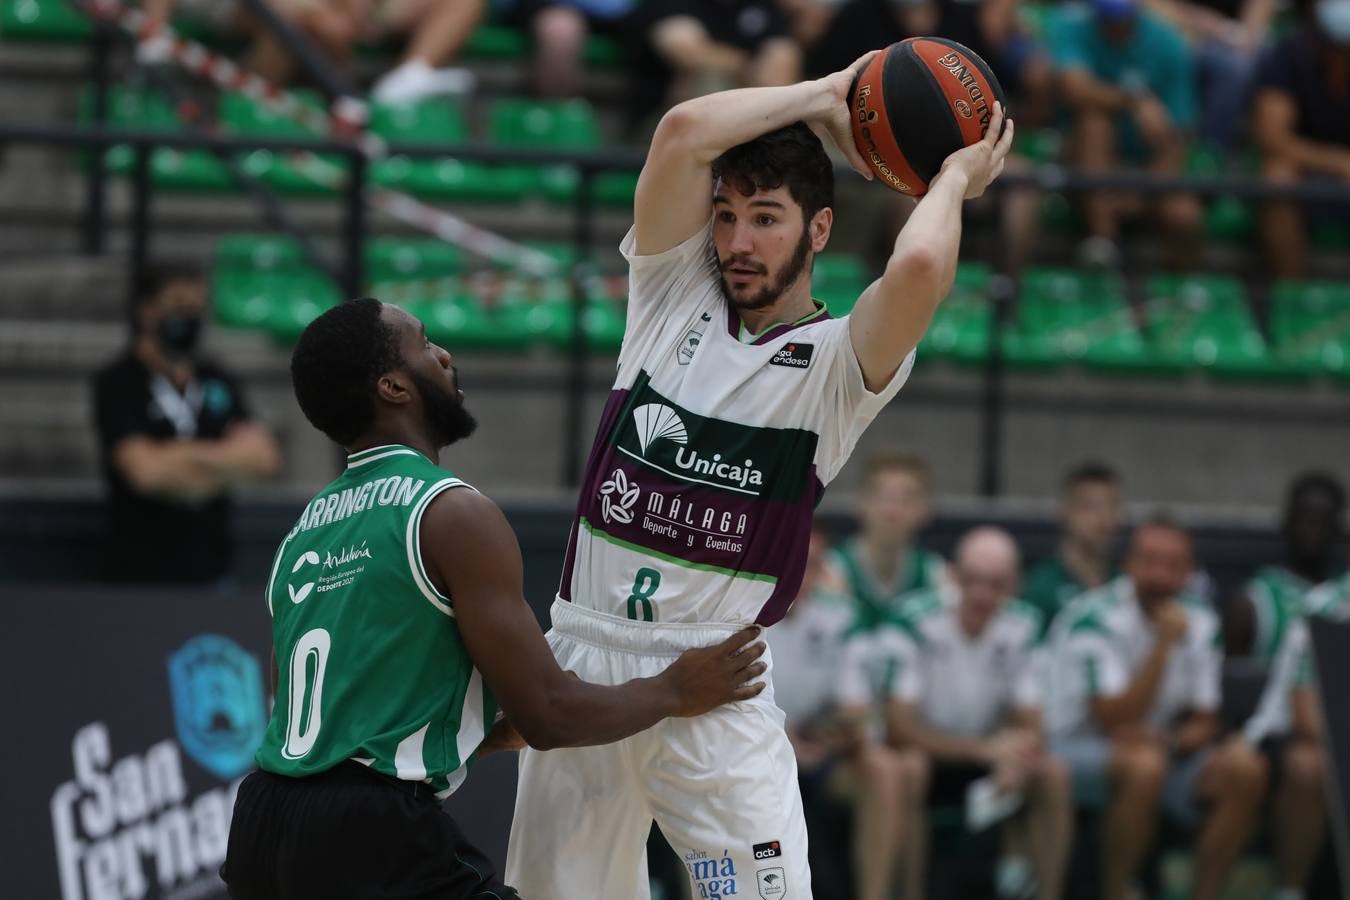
(1301, 123)
(175, 435)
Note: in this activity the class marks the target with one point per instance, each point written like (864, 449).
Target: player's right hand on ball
(707, 677)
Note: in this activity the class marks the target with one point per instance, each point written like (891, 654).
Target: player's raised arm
(470, 549)
(893, 313)
(674, 190)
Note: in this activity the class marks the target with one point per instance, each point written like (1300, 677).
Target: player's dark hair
(1323, 483)
(790, 157)
(160, 275)
(336, 363)
(1091, 472)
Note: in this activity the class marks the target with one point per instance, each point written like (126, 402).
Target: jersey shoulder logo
(684, 353)
(794, 356)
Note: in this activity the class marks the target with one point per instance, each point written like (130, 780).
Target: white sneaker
(415, 80)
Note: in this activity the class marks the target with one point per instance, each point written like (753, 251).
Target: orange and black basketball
(917, 102)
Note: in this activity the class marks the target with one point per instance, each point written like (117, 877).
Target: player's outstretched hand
(707, 677)
(983, 160)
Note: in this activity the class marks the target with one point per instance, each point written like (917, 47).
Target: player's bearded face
(778, 283)
(443, 408)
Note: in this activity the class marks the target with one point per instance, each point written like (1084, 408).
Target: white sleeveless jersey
(712, 451)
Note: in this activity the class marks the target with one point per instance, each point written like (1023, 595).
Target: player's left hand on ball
(983, 160)
(707, 677)
(836, 123)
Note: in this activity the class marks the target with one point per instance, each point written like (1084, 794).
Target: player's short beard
(443, 409)
(769, 294)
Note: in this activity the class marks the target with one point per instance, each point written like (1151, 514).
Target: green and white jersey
(1278, 598)
(372, 666)
(713, 450)
(1050, 587)
(807, 647)
(921, 570)
(1293, 664)
(1101, 639)
(961, 684)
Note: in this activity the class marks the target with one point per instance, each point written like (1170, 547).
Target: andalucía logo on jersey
(657, 422)
(217, 703)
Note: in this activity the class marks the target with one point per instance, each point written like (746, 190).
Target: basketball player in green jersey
(881, 563)
(400, 631)
(1313, 530)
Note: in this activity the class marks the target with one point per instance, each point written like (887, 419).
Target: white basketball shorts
(722, 786)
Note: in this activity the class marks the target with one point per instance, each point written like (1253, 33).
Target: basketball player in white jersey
(738, 399)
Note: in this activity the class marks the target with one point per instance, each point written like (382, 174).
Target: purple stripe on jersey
(796, 541)
(590, 482)
(734, 325)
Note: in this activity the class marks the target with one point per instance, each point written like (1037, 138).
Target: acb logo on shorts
(768, 851)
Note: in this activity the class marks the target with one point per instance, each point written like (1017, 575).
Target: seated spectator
(1128, 81)
(1287, 726)
(993, 29)
(1227, 38)
(967, 693)
(1301, 123)
(686, 48)
(1136, 669)
(435, 30)
(559, 29)
(834, 758)
(175, 436)
(853, 27)
(1313, 531)
(1089, 524)
(880, 563)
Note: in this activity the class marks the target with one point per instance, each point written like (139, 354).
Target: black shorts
(350, 833)
(949, 783)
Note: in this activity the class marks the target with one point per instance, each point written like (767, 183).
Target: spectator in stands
(1302, 127)
(967, 693)
(834, 759)
(1287, 726)
(1227, 38)
(835, 35)
(686, 48)
(993, 29)
(175, 435)
(1137, 677)
(1089, 524)
(1128, 80)
(1314, 533)
(880, 564)
(434, 29)
(559, 29)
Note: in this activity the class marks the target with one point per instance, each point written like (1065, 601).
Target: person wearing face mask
(1301, 122)
(175, 436)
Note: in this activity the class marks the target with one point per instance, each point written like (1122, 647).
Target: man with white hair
(959, 668)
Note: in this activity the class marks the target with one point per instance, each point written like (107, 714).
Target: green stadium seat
(151, 111)
(1203, 322)
(391, 258)
(837, 279)
(241, 115)
(258, 252)
(437, 121)
(242, 299)
(558, 125)
(1310, 327)
(961, 324)
(56, 21)
(497, 42)
(1068, 315)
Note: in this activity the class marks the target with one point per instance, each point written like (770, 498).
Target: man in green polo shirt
(1090, 516)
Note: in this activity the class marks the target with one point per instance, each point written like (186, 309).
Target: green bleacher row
(1064, 317)
(60, 22)
(511, 122)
